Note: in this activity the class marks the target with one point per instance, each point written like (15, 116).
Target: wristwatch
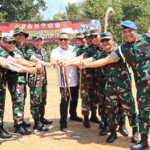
(34, 65)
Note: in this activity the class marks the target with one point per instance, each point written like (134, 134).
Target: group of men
(105, 80)
(102, 73)
(12, 60)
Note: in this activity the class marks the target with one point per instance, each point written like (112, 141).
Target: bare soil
(77, 138)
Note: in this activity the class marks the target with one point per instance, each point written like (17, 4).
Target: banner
(51, 29)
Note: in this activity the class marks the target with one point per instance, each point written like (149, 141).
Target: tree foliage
(20, 10)
(136, 11)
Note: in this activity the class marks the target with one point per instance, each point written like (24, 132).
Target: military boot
(135, 133)
(39, 126)
(101, 125)
(94, 118)
(25, 124)
(105, 128)
(112, 136)
(122, 127)
(45, 121)
(21, 129)
(86, 122)
(143, 144)
(3, 133)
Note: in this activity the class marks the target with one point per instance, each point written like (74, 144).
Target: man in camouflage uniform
(8, 46)
(39, 55)
(135, 51)
(18, 98)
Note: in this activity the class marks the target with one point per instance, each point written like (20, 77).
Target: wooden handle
(41, 86)
(80, 80)
(68, 83)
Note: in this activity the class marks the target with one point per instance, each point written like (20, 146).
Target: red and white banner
(51, 29)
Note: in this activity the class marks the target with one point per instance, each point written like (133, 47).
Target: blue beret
(128, 24)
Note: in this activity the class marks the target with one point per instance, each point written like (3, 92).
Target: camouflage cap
(20, 30)
(0, 34)
(80, 35)
(37, 36)
(106, 35)
(95, 31)
(87, 33)
(7, 39)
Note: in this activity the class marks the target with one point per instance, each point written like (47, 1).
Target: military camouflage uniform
(18, 93)
(3, 76)
(137, 55)
(37, 108)
(118, 89)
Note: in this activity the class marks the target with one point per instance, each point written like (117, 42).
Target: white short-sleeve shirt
(59, 53)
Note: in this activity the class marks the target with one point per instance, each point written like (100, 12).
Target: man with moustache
(63, 51)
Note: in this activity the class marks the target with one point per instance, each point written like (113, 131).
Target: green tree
(60, 16)
(20, 10)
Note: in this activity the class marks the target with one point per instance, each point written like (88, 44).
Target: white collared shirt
(59, 53)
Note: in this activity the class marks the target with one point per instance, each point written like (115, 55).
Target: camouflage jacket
(42, 55)
(137, 55)
(20, 50)
(116, 72)
(3, 71)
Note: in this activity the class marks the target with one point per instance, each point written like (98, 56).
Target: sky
(56, 6)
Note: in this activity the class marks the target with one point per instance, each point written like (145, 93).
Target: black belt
(22, 74)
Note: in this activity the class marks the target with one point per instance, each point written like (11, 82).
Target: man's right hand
(83, 64)
(39, 67)
(31, 70)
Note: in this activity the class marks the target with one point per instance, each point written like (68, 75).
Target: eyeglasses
(93, 37)
(105, 40)
(12, 42)
(63, 40)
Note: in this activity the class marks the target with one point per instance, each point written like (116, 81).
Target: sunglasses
(105, 40)
(63, 40)
(93, 37)
(12, 42)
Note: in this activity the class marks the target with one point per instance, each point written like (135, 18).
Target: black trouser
(64, 104)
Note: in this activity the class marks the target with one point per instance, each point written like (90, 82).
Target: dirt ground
(77, 138)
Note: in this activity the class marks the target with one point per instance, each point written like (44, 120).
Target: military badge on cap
(37, 36)
(20, 30)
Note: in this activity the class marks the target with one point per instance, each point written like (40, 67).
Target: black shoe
(122, 128)
(86, 122)
(0, 142)
(45, 121)
(101, 125)
(94, 118)
(25, 124)
(78, 119)
(64, 128)
(143, 144)
(39, 126)
(4, 134)
(135, 137)
(22, 130)
(104, 131)
(112, 136)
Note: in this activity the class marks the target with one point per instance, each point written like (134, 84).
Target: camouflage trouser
(143, 99)
(18, 95)
(88, 92)
(37, 107)
(2, 101)
(114, 95)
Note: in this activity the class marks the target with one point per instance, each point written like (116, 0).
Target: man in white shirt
(61, 52)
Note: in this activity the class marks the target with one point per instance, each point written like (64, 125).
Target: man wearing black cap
(135, 51)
